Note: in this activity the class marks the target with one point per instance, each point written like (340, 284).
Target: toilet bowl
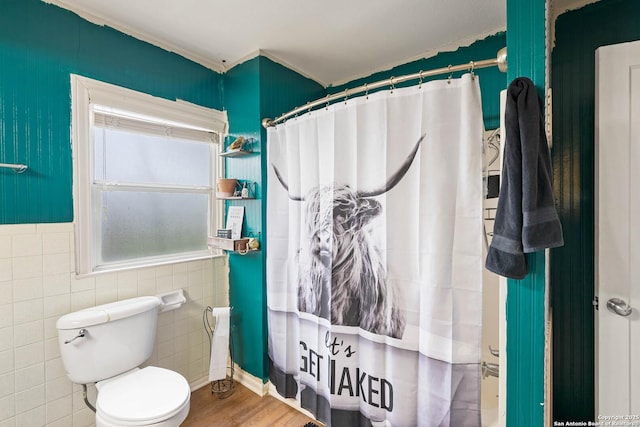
(143, 397)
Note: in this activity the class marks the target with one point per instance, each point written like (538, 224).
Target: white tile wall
(38, 285)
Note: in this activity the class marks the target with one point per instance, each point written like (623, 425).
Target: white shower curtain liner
(374, 259)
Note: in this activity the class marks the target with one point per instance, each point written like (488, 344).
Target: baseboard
(254, 384)
(198, 384)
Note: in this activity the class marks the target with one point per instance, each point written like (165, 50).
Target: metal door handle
(619, 307)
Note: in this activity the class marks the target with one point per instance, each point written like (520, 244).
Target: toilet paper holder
(224, 388)
(172, 300)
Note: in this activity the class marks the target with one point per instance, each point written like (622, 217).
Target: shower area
(379, 212)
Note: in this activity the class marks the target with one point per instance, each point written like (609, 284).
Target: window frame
(86, 92)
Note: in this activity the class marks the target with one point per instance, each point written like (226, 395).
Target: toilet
(106, 345)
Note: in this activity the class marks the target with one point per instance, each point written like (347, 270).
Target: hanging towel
(219, 344)
(526, 218)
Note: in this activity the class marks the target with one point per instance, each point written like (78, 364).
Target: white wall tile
(54, 369)
(6, 361)
(30, 377)
(84, 284)
(26, 289)
(62, 422)
(28, 333)
(27, 311)
(55, 227)
(29, 355)
(51, 348)
(56, 305)
(6, 338)
(25, 267)
(6, 269)
(58, 409)
(5, 246)
(26, 244)
(81, 300)
(6, 315)
(55, 243)
(58, 388)
(7, 384)
(56, 264)
(7, 407)
(6, 293)
(30, 399)
(57, 284)
(32, 418)
(11, 229)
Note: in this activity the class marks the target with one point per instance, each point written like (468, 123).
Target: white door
(618, 229)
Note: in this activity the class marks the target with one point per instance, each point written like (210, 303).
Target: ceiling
(330, 41)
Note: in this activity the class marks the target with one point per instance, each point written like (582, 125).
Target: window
(144, 173)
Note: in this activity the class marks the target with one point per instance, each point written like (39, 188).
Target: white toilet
(105, 345)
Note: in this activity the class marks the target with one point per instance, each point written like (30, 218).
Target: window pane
(123, 156)
(143, 224)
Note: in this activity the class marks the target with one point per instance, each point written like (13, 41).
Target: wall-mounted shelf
(236, 198)
(232, 245)
(236, 153)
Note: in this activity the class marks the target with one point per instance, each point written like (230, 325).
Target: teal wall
(578, 34)
(253, 90)
(40, 45)
(525, 310)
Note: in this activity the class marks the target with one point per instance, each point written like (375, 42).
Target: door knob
(619, 307)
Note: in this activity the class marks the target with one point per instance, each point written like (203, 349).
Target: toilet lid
(147, 394)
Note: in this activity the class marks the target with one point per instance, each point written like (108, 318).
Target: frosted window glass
(143, 224)
(124, 156)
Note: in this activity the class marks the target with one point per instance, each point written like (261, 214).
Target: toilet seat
(150, 396)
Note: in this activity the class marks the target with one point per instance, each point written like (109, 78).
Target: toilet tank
(118, 337)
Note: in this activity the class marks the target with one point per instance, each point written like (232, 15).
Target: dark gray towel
(526, 218)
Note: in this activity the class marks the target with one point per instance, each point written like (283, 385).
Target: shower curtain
(374, 246)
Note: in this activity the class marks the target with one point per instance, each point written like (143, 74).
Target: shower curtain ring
(473, 65)
(346, 95)
(450, 74)
(366, 91)
(393, 85)
(420, 81)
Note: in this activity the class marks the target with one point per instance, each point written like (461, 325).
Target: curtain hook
(450, 75)
(420, 77)
(473, 65)
(366, 91)
(346, 95)
(327, 105)
(393, 86)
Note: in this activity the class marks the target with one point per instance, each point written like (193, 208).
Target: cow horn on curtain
(374, 268)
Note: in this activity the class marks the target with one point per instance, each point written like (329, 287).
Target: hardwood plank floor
(242, 408)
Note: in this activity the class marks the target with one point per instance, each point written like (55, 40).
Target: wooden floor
(242, 408)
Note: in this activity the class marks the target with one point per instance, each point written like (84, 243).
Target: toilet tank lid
(107, 312)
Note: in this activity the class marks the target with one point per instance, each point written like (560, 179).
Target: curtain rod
(500, 61)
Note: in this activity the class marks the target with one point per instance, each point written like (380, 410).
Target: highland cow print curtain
(374, 244)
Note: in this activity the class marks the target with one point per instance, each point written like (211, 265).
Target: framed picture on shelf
(235, 217)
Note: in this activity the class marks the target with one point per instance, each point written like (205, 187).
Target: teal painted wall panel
(492, 80)
(253, 90)
(578, 34)
(40, 46)
(525, 309)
